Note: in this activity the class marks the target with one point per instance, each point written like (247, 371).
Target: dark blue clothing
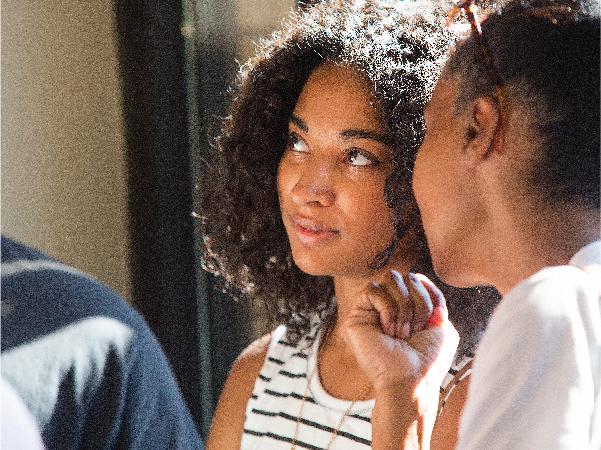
(85, 363)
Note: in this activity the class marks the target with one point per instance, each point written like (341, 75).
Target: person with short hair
(507, 182)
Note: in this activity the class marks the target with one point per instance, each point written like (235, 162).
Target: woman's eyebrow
(365, 134)
(346, 134)
(299, 123)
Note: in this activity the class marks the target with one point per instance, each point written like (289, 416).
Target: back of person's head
(546, 54)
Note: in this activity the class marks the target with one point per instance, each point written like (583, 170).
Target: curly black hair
(399, 47)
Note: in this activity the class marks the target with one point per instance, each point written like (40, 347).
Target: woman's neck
(339, 372)
(526, 243)
(349, 289)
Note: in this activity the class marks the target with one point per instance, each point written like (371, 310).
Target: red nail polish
(436, 318)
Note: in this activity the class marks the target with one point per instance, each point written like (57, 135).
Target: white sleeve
(532, 386)
(19, 429)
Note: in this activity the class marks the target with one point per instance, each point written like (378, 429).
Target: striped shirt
(272, 412)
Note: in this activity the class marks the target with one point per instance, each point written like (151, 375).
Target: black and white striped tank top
(272, 412)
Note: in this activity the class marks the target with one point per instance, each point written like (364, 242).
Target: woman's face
(332, 174)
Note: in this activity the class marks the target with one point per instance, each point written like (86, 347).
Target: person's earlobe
(481, 136)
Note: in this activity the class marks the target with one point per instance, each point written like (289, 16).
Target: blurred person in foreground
(85, 363)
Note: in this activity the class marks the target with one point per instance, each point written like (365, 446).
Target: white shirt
(536, 381)
(18, 429)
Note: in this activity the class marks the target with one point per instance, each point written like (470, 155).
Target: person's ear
(482, 136)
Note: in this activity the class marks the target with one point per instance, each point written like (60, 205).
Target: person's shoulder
(32, 281)
(65, 326)
(15, 251)
(551, 292)
(228, 420)
(248, 364)
(549, 306)
(534, 359)
(567, 276)
(255, 349)
(47, 301)
(57, 300)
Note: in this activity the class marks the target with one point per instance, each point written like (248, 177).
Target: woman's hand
(405, 349)
(401, 311)
(400, 333)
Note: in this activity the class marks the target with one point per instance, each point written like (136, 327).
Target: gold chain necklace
(336, 430)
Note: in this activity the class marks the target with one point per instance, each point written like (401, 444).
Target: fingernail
(417, 285)
(398, 278)
(437, 317)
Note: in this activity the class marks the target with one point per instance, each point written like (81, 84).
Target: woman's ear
(482, 136)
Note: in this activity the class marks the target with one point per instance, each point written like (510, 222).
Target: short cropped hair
(546, 54)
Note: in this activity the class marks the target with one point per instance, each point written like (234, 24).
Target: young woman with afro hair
(307, 206)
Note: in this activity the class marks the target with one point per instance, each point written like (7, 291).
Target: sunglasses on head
(471, 11)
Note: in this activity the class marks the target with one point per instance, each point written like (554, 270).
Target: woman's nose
(315, 187)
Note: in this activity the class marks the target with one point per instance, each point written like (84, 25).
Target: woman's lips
(310, 232)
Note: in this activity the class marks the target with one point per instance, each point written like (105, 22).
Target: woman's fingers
(436, 294)
(421, 300)
(400, 283)
(377, 331)
(380, 299)
(405, 305)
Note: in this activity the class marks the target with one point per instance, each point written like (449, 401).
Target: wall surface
(258, 19)
(63, 155)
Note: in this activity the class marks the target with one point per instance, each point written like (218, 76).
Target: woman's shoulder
(249, 362)
(274, 347)
(228, 420)
(259, 361)
(247, 366)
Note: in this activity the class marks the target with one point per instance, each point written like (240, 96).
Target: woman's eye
(296, 144)
(358, 158)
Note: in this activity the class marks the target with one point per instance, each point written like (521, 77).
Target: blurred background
(105, 109)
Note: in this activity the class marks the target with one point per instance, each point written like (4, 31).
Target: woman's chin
(310, 266)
